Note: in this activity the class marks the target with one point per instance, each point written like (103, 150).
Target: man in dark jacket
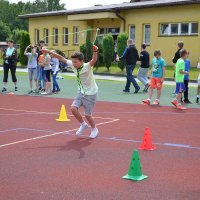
(131, 56)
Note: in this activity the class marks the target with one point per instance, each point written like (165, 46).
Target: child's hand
(95, 48)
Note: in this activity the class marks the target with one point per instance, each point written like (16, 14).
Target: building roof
(114, 7)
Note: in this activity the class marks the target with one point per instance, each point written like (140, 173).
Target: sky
(73, 4)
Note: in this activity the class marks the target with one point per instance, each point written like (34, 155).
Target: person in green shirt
(179, 78)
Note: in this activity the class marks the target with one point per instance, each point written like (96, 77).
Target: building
(160, 24)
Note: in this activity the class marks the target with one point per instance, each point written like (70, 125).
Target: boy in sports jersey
(157, 78)
(87, 88)
(179, 77)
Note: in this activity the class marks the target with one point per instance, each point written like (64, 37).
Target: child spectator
(186, 80)
(180, 86)
(55, 69)
(157, 78)
(144, 68)
(87, 88)
(32, 66)
(198, 87)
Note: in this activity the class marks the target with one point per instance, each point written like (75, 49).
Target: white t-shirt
(86, 81)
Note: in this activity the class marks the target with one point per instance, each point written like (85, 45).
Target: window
(76, 35)
(113, 31)
(132, 32)
(46, 36)
(147, 30)
(174, 29)
(179, 29)
(65, 35)
(55, 36)
(37, 35)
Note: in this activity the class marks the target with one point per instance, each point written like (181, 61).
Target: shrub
(108, 50)
(24, 42)
(88, 46)
(100, 53)
(121, 46)
(83, 50)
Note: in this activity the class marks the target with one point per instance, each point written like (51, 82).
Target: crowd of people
(182, 67)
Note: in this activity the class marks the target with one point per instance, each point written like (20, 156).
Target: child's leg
(178, 97)
(150, 93)
(77, 114)
(198, 90)
(31, 84)
(91, 121)
(159, 90)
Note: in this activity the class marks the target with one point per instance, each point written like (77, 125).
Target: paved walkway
(102, 77)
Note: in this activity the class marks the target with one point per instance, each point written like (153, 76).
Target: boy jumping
(87, 88)
(157, 78)
(179, 77)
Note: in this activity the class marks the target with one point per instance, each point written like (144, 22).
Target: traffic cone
(147, 141)
(135, 171)
(63, 115)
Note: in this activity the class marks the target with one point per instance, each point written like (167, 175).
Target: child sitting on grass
(198, 82)
(179, 77)
(157, 78)
(87, 88)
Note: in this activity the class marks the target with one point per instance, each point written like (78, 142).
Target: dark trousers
(130, 78)
(186, 89)
(12, 69)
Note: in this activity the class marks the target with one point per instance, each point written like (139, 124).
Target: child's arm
(95, 55)
(183, 72)
(25, 52)
(163, 76)
(59, 57)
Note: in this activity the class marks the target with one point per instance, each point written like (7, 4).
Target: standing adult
(10, 63)
(131, 56)
(40, 71)
(144, 68)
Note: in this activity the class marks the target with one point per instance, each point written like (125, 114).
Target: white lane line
(53, 134)
(8, 130)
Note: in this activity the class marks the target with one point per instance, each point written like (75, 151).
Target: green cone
(135, 171)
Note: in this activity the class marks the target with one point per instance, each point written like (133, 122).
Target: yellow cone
(63, 115)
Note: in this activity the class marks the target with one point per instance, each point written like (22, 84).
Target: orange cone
(147, 141)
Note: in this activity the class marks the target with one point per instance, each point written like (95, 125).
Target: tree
(83, 50)
(4, 31)
(108, 50)
(24, 42)
(88, 46)
(17, 34)
(121, 46)
(100, 53)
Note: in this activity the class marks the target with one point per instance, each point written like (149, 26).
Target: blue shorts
(180, 87)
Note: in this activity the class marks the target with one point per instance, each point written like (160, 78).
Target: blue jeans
(42, 77)
(130, 78)
(55, 83)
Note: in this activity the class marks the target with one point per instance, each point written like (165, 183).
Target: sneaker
(137, 90)
(197, 100)
(187, 101)
(146, 88)
(181, 107)
(58, 90)
(156, 102)
(4, 89)
(146, 102)
(82, 128)
(44, 93)
(126, 91)
(53, 91)
(16, 88)
(175, 103)
(30, 92)
(94, 133)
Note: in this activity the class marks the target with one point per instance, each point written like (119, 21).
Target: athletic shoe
(146, 101)
(197, 100)
(181, 107)
(4, 89)
(94, 133)
(187, 101)
(16, 88)
(175, 103)
(137, 90)
(126, 91)
(44, 93)
(146, 88)
(58, 90)
(156, 102)
(83, 127)
(30, 92)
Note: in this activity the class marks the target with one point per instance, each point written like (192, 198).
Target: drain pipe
(122, 18)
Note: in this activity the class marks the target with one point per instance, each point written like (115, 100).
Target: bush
(83, 50)
(121, 46)
(108, 50)
(100, 54)
(24, 42)
(88, 46)
(17, 34)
